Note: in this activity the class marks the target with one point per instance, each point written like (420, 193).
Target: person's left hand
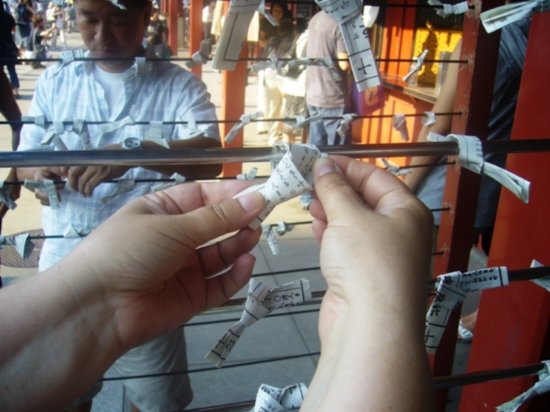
(148, 262)
(84, 179)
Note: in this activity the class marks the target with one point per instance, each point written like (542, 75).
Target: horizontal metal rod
(253, 154)
(208, 156)
(473, 378)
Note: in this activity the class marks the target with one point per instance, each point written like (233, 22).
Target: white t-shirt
(112, 84)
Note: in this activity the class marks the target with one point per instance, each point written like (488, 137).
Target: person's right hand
(375, 256)
(375, 238)
(48, 173)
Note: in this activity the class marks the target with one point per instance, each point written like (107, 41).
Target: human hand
(375, 240)
(147, 260)
(84, 179)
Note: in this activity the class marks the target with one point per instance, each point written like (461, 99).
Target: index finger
(379, 189)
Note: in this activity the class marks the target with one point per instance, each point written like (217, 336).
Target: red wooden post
(513, 322)
(232, 105)
(195, 32)
(462, 186)
(173, 9)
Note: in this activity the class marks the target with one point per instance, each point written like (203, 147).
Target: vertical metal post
(195, 32)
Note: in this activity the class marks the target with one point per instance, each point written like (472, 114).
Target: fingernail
(324, 166)
(251, 201)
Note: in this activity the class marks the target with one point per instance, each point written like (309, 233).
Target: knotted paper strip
(260, 301)
(499, 17)
(450, 291)
(234, 32)
(46, 186)
(471, 158)
(22, 243)
(416, 65)
(273, 399)
(540, 387)
(291, 177)
(348, 15)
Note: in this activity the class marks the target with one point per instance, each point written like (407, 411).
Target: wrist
(90, 303)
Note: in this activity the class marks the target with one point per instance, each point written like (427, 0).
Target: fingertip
(324, 166)
(252, 201)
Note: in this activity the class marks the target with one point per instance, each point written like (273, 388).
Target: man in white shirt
(117, 93)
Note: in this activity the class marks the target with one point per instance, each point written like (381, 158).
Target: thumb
(210, 222)
(334, 191)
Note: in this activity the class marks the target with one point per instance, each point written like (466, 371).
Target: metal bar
(209, 156)
(486, 376)
(252, 154)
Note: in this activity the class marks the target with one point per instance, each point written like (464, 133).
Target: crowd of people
(29, 29)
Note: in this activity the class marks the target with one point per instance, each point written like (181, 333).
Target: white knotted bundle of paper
(260, 301)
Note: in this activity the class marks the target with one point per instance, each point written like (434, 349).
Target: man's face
(110, 32)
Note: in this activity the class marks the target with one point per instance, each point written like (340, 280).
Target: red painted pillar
(513, 323)
(195, 32)
(173, 11)
(462, 186)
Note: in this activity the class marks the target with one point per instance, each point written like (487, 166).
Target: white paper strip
(471, 157)
(46, 186)
(291, 177)
(39, 120)
(446, 9)
(271, 238)
(244, 120)
(542, 282)
(416, 65)
(259, 302)
(446, 299)
(497, 18)
(71, 232)
(22, 244)
(177, 179)
(273, 399)
(112, 126)
(201, 56)
(399, 123)
(429, 120)
(80, 128)
(234, 32)
(54, 136)
(5, 196)
(540, 387)
(345, 124)
(249, 175)
(394, 169)
(283, 228)
(348, 15)
(450, 291)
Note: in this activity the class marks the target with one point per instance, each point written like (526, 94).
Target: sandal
(464, 334)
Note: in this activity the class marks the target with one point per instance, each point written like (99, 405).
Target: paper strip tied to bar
(260, 301)
(356, 38)
(292, 176)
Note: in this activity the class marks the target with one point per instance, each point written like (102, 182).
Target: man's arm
(442, 125)
(62, 329)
